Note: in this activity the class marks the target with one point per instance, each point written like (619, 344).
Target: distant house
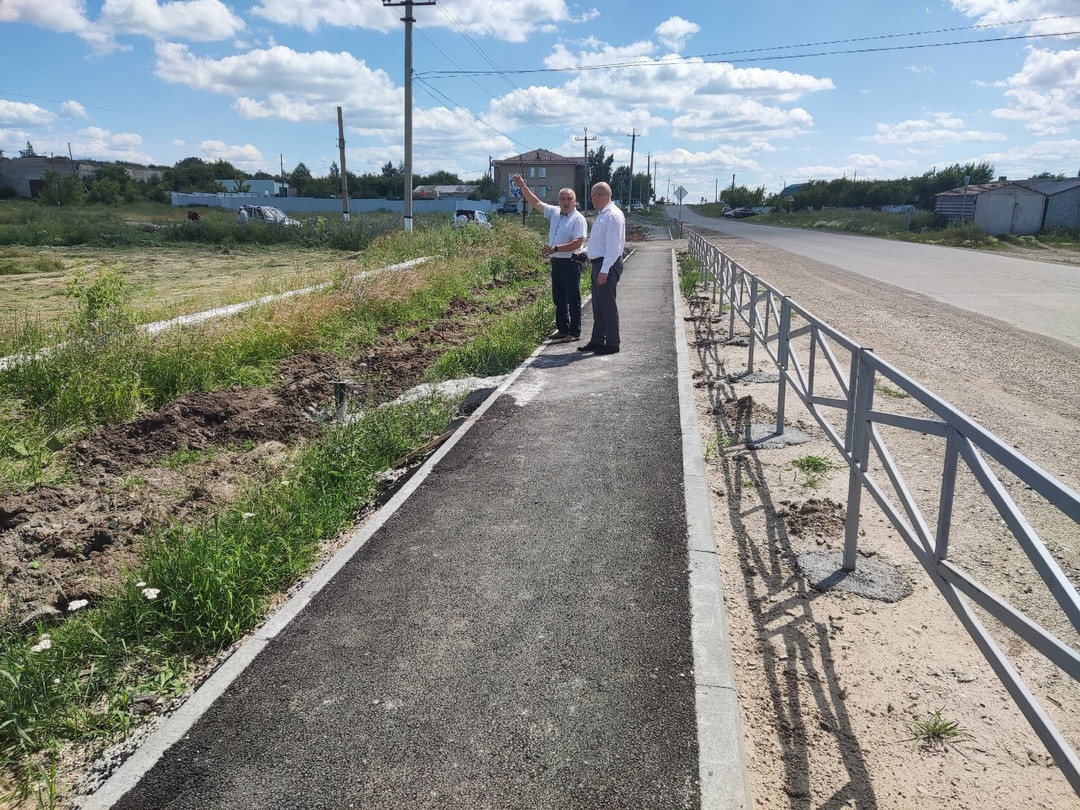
(791, 190)
(1020, 207)
(443, 192)
(545, 172)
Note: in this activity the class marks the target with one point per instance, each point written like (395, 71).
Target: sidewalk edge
(722, 770)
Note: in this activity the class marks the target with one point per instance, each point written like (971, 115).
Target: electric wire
(688, 60)
(465, 34)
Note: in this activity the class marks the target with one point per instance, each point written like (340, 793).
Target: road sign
(680, 192)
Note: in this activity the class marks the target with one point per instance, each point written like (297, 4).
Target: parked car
(637, 207)
(467, 216)
(740, 213)
(508, 207)
(266, 213)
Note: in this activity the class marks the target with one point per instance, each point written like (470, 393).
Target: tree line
(113, 183)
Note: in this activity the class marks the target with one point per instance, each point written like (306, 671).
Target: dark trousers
(566, 293)
(605, 312)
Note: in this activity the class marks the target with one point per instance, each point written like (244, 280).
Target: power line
(685, 61)
(475, 123)
(509, 109)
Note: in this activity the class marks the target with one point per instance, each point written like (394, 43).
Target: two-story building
(545, 172)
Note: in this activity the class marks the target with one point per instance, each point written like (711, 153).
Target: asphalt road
(1041, 297)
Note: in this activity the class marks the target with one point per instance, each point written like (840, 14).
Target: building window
(543, 171)
(532, 172)
(543, 191)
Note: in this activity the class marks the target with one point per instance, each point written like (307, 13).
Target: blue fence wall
(312, 205)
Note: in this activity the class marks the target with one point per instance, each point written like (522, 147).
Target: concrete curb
(725, 783)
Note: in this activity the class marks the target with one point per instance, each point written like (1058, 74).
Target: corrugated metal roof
(541, 156)
(1044, 185)
(970, 190)
(1050, 185)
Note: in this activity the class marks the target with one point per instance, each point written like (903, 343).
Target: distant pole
(586, 139)
(716, 190)
(344, 173)
(408, 20)
(732, 186)
(633, 139)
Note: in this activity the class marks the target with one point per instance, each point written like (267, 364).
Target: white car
(467, 216)
(266, 213)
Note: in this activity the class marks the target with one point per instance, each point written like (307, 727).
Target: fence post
(753, 323)
(729, 278)
(861, 400)
(945, 504)
(782, 349)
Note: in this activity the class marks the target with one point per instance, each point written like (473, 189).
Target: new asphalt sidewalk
(533, 621)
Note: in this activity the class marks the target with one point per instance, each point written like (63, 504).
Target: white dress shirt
(608, 236)
(564, 228)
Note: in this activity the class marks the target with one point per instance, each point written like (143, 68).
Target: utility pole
(633, 139)
(648, 174)
(586, 139)
(408, 20)
(344, 174)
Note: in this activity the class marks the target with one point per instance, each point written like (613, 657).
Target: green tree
(485, 189)
(28, 151)
(600, 166)
(300, 179)
(60, 189)
(439, 178)
(110, 184)
(194, 174)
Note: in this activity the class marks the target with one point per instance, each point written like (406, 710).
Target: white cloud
(197, 20)
(67, 16)
(512, 20)
(22, 114)
(63, 16)
(1046, 16)
(101, 144)
(281, 83)
(941, 129)
(1045, 94)
(674, 31)
(73, 109)
(742, 118)
(245, 157)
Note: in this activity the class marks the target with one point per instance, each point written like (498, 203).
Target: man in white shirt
(566, 234)
(605, 254)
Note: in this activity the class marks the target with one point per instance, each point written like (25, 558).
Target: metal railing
(840, 398)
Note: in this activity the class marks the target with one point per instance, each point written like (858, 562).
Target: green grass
(936, 731)
(887, 390)
(103, 369)
(689, 275)
(814, 469)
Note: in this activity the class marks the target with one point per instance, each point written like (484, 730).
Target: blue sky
(770, 91)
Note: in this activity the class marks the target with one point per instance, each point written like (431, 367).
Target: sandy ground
(831, 684)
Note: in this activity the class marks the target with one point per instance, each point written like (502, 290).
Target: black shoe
(606, 349)
(559, 336)
(590, 347)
